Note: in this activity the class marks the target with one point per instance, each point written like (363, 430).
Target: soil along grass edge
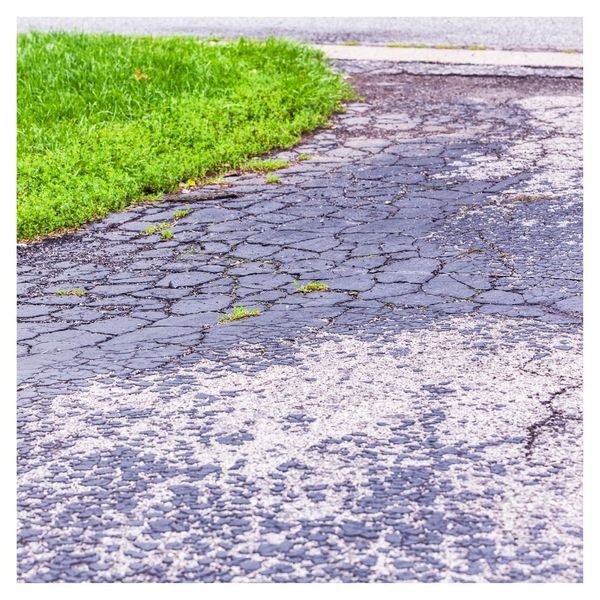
(103, 120)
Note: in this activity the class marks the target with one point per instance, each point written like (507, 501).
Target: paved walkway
(419, 421)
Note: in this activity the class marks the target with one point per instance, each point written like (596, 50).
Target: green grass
(106, 120)
(313, 286)
(264, 166)
(238, 312)
(72, 292)
(304, 156)
(167, 234)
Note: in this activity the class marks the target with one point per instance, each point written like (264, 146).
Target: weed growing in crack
(167, 234)
(304, 156)
(272, 179)
(180, 214)
(238, 312)
(313, 286)
(156, 228)
(473, 296)
(72, 292)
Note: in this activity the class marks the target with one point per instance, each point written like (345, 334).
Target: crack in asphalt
(555, 421)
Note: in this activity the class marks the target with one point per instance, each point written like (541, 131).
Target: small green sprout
(167, 234)
(313, 286)
(304, 156)
(272, 179)
(238, 312)
(73, 292)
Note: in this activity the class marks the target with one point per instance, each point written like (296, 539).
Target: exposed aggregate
(419, 421)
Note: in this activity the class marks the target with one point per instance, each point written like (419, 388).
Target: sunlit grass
(104, 120)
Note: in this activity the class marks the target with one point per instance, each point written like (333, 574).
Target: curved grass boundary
(104, 120)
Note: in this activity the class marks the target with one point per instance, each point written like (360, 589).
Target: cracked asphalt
(418, 421)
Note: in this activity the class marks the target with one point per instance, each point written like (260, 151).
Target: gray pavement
(511, 33)
(455, 56)
(419, 421)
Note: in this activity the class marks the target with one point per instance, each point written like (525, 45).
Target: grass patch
(167, 234)
(104, 120)
(313, 286)
(273, 179)
(72, 292)
(238, 312)
(265, 166)
(304, 156)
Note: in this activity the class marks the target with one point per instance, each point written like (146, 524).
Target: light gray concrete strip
(452, 56)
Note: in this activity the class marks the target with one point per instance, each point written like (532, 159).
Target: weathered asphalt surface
(511, 33)
(421, 421)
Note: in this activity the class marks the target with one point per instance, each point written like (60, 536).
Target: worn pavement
(419, 421)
